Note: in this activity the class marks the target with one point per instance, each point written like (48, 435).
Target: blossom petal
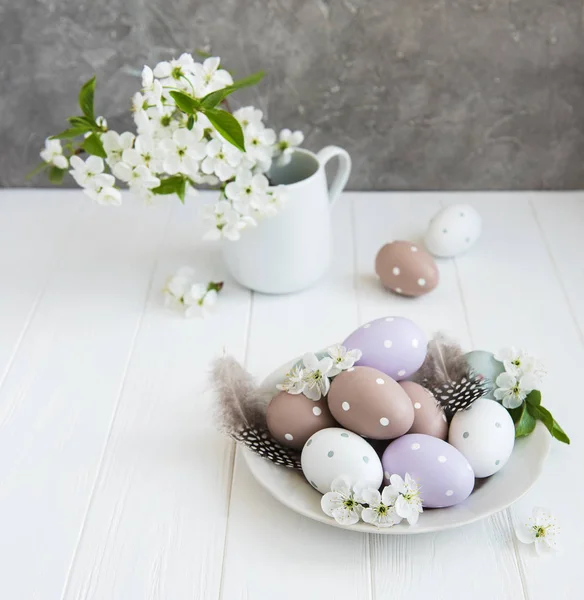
(310, 361)
(397, 483)
(344, 516)
(370, 496)
(525, 534)
(330, 502)
(505, 380)
(369, 516)
(341, 485)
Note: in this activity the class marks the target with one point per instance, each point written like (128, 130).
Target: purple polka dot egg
(395, 346)
(444, 475)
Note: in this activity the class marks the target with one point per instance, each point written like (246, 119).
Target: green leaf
(40, 167)
(216, 286)
(190, 122)
(545, 416)
(172, 185)
(82, 122)
(70, 133)
(93, 145)
(534, 398)
(516, 413)
(86, 94)
(185, 102)
(526, 423)
(181, 189)
(214, 98)
(227, 125)
(56, 174)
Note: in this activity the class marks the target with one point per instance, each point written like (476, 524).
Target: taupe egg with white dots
(292, 419)
(406, 269)
(370, 403)
(429, 418)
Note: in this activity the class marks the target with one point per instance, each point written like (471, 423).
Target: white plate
(489, 496)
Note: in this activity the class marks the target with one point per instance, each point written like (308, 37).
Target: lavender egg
(395, 346)
(445, 477)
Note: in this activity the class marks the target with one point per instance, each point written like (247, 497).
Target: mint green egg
(484, 363)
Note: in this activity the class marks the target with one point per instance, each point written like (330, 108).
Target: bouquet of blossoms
(185, 136)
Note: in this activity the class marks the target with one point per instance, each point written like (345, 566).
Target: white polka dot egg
(444, 475)
(453, 230)
(484, 434)
(335, 452)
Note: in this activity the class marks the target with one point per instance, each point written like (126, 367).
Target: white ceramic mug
(291, 250)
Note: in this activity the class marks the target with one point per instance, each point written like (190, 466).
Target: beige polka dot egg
(406, 269)
(370, 403)
(429, 418)
(292, 419)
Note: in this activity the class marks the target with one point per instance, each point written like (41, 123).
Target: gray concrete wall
(425, 94)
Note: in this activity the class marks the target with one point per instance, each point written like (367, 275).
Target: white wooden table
(113, 481)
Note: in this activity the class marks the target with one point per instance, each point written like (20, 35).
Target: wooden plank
(543, 313)
(61, 392)
(272, 552)
(33, 230)
(477, 561)
(156, 526)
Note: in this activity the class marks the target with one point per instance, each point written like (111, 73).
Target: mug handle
(342, 175)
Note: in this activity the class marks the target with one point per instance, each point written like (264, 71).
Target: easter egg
(484, 434)
(483, 363)
(406, 269)
(453, 230)
(293, 418)
(335, 452)
(444, 475)
(370, 403)
(429, 418)
(395, 346)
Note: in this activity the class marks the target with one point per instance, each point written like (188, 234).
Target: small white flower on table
(381, 511)
(341, 503)
(294, 383)
(316, 372)
(195, 299)
(404, 494)
(512, 391)
(540, 529)
(343, 359)
(53, 154)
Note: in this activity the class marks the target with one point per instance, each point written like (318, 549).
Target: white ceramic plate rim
(508, 485)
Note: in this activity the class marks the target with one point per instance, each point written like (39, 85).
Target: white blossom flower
(259, 145)
(343, 359)
(183, 293)
(114, 145)
(511, 390)
(542, 530)
(227, 222)
(248, 115)
(156, 122)
(138, 178)
(381, 511)
(287, 141)
(183, 151)
(341, 503)
(316, 379)
(101, 122)
(145, 152)
(199, 300)
(221, 159)
(404, 494)
(174, 69)
(102, 190)
(250, 190)
(212, 77)
(519, 363)
(85, 172)
(53, 154)
(294, 382)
